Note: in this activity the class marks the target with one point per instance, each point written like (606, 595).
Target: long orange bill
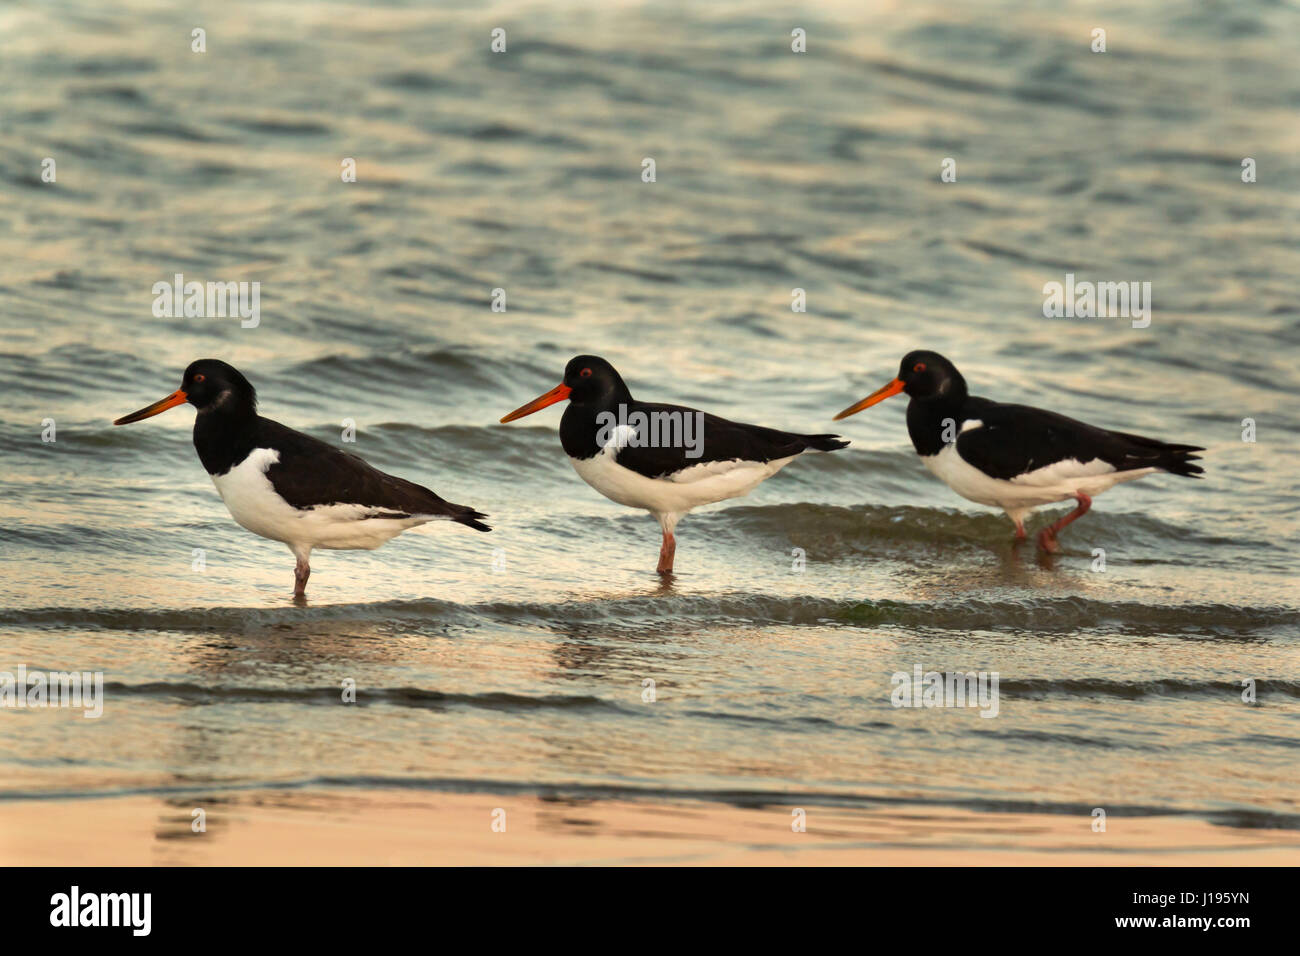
(177, 397)
(557, 394)
(893, 388)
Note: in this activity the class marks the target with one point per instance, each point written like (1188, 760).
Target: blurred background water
(517, 659)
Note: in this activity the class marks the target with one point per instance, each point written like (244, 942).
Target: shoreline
(327, 827)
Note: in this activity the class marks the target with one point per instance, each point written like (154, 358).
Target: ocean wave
(1137, 689)
(415, 697)
(1240, 817)
(837, 530)
(1030, 614)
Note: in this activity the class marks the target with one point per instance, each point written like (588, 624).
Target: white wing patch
(620, 437)
(1063, 471)
(709, 469)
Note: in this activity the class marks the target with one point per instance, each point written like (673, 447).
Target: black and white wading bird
(617, 445)
(1015, 457)
(288, 486)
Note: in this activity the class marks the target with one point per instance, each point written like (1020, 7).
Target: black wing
(718, 440)
(311, 472)
(1016, 439)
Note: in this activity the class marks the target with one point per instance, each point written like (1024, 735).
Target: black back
(603, 391)
(1015, 439)
(310, 472)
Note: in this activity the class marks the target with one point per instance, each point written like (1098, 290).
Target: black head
(210, 385)
(588, 380)
(925, 376)
(928, 375)
(593, 381)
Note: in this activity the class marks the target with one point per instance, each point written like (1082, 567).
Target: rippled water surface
(517, 659)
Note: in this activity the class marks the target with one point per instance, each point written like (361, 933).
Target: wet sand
(385, 827)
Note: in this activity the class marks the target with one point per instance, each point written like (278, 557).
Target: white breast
(689, 488)
(255, 504)
(1055, 482)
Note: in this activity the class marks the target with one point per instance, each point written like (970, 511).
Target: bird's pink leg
(666, 553)
(1020, 530)
(1047, 537)
(301, 572)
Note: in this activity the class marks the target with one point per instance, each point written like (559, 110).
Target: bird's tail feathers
(824, 442)
(470, 518)
(462, 514)
(1178, 460)
(1175, 459)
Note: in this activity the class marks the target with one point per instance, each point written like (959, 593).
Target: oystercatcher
(1015, 457)
(290, 487)
(666, 459)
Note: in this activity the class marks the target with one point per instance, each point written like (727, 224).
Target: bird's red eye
(918, 367)
(585, 373)
(198, 378)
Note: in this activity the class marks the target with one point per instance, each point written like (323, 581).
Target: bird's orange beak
(893, 388)
(177, 397)
(557, 394)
